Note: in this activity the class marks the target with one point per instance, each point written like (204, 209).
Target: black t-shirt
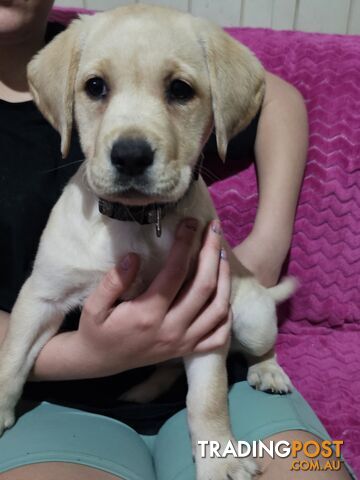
(32, 176)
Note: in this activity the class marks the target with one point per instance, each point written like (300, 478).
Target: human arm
(280, 151)
(156, 326)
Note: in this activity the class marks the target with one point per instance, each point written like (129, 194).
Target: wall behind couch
(331, 16)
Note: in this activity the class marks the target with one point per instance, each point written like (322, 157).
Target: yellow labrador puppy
(146, 86)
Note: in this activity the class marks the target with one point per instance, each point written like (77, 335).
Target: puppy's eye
(180, 91)
(96, 88)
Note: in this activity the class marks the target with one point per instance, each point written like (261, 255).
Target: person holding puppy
(32, 177)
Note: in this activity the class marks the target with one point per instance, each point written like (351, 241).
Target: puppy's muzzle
(131, 157)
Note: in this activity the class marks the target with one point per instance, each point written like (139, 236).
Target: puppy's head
(146, 85)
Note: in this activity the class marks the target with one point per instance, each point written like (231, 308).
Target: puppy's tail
(284, 289)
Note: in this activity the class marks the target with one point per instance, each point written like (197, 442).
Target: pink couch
(319, 341)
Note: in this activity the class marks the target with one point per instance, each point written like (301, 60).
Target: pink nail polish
(125, 263)
(216, 227)
(191, 224)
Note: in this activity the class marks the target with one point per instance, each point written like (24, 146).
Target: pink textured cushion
(319, 343)
(65, 15)
(325, 251)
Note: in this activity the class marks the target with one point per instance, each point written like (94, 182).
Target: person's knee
(303, 467)
(56, 471)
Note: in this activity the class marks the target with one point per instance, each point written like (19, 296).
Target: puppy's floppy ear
(51, 76)
(237, 82)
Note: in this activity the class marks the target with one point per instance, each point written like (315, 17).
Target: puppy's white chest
(79, 244)
(76, 250)
(125, 237)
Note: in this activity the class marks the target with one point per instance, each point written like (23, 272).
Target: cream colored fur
(138, 50)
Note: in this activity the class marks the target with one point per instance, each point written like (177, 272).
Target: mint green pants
(54, 433)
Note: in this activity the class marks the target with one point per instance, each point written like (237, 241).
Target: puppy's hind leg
(33, 321)
(267, 375)
(255, 328)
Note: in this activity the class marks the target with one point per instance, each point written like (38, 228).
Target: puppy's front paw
(268, 375)
(229, 468)
(7, 418)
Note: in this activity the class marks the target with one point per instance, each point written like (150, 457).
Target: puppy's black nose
(131, 156)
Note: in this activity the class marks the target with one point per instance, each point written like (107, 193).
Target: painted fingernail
(126, 262)
(191, 224)
(216, 227)
(223, 254)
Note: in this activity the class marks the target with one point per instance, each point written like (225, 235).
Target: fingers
(203, 286)
(168, 282)
(219, 338)
(111, 287)
(218, 310)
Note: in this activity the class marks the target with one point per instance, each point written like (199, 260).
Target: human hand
(263, 255)
(173, 318)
